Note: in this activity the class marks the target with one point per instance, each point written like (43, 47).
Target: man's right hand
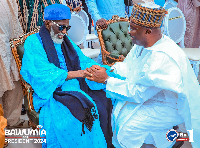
(101, 23)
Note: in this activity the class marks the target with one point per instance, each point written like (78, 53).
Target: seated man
(160, 89)
(54, 66)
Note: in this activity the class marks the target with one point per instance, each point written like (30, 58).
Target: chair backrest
(84, 16)
(114, 40)
(17, 47)
(175, 25)
(78, 30)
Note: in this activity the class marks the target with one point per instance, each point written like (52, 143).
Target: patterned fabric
(191, 11)
(74, 3)
(31, 13)
(9, 29)
(147, 17)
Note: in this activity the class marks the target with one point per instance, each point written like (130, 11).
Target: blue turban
(57, 12)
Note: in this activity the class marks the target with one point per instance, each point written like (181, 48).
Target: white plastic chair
(89, 37)
(77, 34)
(84, 16)
(175, 27)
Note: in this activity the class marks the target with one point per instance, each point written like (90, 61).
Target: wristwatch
(105, 82)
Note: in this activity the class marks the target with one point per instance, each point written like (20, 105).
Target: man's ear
(148, 31)
(47, 24)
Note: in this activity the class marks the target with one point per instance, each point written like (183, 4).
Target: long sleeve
(121, 89)
(44, 77)
(144, 82)
(93, 9)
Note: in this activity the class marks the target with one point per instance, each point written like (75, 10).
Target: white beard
(55, 38)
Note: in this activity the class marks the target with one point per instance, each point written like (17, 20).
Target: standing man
(160, 89)
(11, 94)
(102, 10)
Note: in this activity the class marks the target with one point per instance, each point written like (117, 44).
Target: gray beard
(55, 38)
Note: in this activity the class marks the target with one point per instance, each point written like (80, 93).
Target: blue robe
(62, 128)
(159, 2)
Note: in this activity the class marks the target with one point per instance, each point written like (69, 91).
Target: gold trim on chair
(27, 89)
(105, 54)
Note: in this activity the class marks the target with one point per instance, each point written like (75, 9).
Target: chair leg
(178, 144)
(92, 46)
(147, 146)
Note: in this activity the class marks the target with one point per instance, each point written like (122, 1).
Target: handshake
(94, 73)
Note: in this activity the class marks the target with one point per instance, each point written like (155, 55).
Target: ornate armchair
(17, 47)
(114, 40)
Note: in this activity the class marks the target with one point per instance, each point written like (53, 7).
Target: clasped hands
(94, 73)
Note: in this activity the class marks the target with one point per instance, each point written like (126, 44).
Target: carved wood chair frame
(27, 89)
(104, 52)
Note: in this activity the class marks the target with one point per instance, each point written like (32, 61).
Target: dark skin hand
(70, 7)
(101, 23)
(77, 9)
(75, 74)
(96, 73)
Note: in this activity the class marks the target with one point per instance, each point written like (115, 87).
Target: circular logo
(171, 135)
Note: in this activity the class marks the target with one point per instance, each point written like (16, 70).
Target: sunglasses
(62, 27)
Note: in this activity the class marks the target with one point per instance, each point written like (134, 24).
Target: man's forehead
(61, 21)
(134, 25)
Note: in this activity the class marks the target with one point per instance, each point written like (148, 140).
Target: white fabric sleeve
(120, 68)
(122, 90)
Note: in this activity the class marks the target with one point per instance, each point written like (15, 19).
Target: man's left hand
(96, 74)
